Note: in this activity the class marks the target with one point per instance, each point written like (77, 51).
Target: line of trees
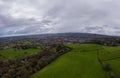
(106, 42)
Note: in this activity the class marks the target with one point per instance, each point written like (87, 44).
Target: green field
(13, 54)
(115, 65)
(82, 62)
(110, 53)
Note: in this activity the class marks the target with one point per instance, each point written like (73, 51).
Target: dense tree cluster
(24, 47)
(24, 67)
(108, 69)
(106, 41)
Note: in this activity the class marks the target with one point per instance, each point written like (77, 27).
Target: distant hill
(82, 35)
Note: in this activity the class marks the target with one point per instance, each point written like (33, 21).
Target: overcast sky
(57, 16)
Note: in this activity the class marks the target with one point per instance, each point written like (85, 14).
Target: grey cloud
(51, 16)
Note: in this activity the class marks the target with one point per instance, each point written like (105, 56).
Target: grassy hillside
(13, 54)
(111, 56)
(110, 53)
(115, 65)
(81, 62)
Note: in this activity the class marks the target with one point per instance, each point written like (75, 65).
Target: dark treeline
(24, 47)
(107, 42)
(26, 66)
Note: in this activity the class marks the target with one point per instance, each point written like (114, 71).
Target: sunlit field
(16, 53)
(82, 62)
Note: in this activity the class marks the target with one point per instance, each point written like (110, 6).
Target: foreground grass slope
(111, 56)
(115, 65)
(81, 62)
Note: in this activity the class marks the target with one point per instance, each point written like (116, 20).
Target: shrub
(107, 67)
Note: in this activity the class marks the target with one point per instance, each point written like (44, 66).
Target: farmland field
(110, 53)
(13, 54)
(82, 62)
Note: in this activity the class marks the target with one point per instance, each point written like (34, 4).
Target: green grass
(115, 65)
(27, 42)
(111, 56)
(81, 62)
(84, 47)
(13, 54)
(110, 52)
